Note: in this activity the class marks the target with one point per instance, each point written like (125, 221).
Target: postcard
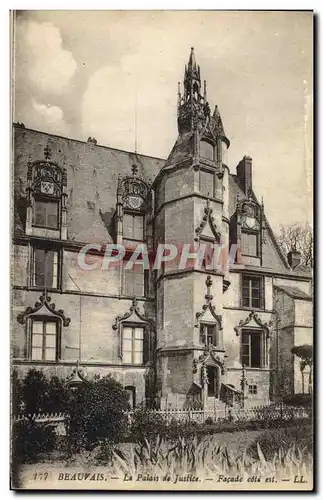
(162, 250)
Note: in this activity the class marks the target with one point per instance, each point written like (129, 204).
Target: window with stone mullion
(133, 227)
(43, 340)
(252, 347)
(133, 345)
(134, 281)
(252, 292)
(45, 268)
(46, 213)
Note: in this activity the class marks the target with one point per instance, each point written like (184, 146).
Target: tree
(297, 237)
(305, 353)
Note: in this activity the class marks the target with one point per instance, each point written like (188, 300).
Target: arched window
(206, 150)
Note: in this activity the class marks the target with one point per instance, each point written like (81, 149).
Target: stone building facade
(172, 335)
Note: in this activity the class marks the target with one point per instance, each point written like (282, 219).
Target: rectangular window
(134, 281)
(45, 268)
(44, 340)
(209, 334)
(46, 214)
(252, 292)
(206, 183)
(133, 345)
(133, 227)
(252, 389)
(252, 348)
(206, 150)
(249, 244)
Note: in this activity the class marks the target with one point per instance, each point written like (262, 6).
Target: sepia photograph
(161, 247)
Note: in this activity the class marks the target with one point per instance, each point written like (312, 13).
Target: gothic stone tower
(191, 207)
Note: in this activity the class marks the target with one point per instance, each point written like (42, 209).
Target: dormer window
(46, 213)
(207, 150)
(250, 243)
(134, 201)
(250, 224)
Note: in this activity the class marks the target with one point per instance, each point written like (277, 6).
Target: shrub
(16, 393)
(299, 400)
(43, 395)
(97, 412)
(29, 439)
(34, 391)
(147, 424)
(58, 396)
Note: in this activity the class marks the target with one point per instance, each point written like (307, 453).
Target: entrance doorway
(131, 390)
(213, 375)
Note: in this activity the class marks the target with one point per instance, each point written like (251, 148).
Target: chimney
(294, 258)
(244, 174)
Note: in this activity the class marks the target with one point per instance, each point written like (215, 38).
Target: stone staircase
(214, 404)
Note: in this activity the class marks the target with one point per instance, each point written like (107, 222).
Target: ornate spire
(192, 109)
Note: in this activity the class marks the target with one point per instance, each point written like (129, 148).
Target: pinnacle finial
(47, 152)
(205, 92)
(191, 62)
(134, 169)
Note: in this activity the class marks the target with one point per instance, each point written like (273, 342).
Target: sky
(97, 73)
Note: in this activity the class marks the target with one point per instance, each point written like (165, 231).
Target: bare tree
(297, 237)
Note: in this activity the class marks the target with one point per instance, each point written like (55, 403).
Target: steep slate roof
(92, 172)
(294, 292)
(182, 149)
